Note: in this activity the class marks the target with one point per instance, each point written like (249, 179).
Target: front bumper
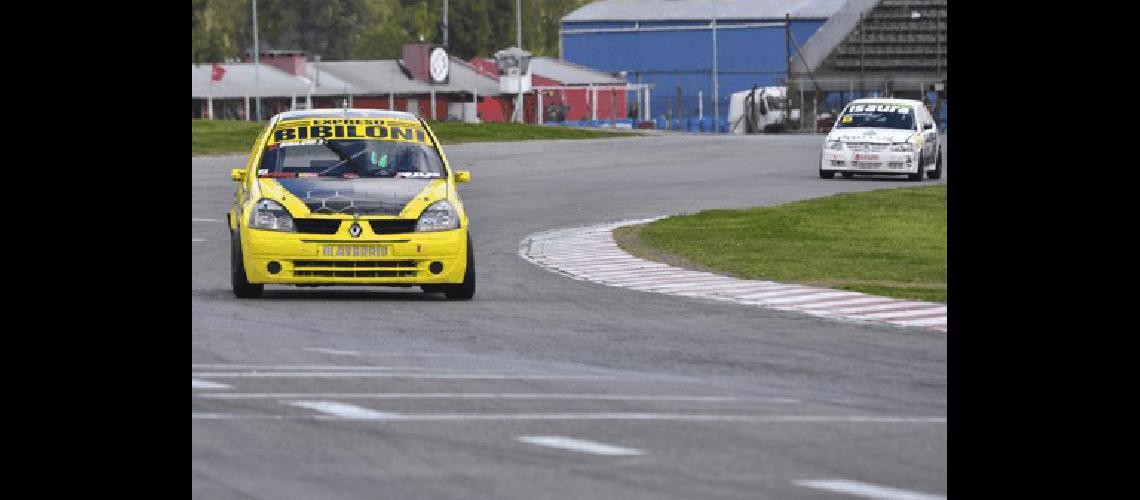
(318, 259)
(884, 162)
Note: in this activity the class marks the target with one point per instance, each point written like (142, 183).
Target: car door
(929, 135)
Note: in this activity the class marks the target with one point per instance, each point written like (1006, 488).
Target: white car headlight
(836, 145)
(268, 214)
(439, 216)
(904, 147)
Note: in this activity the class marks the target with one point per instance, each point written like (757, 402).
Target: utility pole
(862, 53)
(445, 23)
(788, 63)
(519, 97)
(716, 79)
(256, 64)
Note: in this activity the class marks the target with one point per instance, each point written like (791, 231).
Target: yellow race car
(349, 197)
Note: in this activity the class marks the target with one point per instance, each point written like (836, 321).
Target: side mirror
(237, 174)
(462, 176)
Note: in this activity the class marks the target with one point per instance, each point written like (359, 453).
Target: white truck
(761, 109)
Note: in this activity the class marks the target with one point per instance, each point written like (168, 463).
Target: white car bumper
(885, 162)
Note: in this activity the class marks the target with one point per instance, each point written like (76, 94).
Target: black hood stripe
(355, 196)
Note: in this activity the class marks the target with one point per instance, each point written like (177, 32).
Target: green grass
(459, 132)
(213, 137)
(888, 242)
(217, 137)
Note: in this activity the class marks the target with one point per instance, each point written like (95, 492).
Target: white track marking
(907, 313)
(365, 374)
(227, 366)
(196, 219)
(580, 445)
(197, 240)
(343, 410)
(682, 286)
(923, 322)
(865, 490)
(863, 301)
(790, 292)
(589, 253)
(206, 384)
(332, 351)
(808, 297)
(504, 396)
(681, 417)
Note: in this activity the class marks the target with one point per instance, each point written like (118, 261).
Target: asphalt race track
(548, 387)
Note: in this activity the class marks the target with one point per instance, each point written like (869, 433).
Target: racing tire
(465, 290)
(917, 177)
(937, 172)
(823, 174)
(242, 288)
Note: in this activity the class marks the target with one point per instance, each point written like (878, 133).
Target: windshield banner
(349, 128)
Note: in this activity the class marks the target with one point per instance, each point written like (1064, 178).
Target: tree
(373, 29)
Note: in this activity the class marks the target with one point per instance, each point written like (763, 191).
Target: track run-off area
(590, 253)
(545, 386)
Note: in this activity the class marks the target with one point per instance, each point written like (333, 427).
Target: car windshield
(775, 102)
(380, 151)
(877, 116)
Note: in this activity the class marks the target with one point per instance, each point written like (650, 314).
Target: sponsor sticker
(304, 132)
(310, 142)
(879, 108)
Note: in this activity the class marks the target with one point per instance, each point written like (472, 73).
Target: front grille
(838, 163)
(867, 164)
(393, 226)
(896, 164)
(357, 274)
(317, 226)
(355, 268)
(866, 146)
(355, 263)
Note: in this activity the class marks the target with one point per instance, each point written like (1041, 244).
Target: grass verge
(888, 242)
(459, 132)
(213, 137)
(217, 137)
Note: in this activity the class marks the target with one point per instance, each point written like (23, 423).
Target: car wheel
(823, 174)
(916, 177)
(465, 290)
(937, 172)
(242, 288)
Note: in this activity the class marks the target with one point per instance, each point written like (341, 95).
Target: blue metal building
(670, 43)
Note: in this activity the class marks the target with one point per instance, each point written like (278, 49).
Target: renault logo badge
(354, 230)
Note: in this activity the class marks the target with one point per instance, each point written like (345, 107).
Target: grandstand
(885, 47)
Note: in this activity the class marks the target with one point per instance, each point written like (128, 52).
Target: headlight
(268, 214)
(439, 216)
(904, 147)
(834, 145)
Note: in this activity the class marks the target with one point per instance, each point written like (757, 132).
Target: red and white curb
(589, 253)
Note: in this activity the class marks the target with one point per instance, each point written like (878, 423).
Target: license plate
(354, 250)
(866, 157)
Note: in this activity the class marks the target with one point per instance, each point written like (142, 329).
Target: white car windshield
(877, 116)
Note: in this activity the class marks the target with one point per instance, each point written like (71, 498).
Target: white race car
(883, 136)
